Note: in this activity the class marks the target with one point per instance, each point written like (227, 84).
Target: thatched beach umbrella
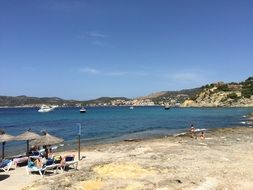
(46, 140)
(5, 138)
(27, 136)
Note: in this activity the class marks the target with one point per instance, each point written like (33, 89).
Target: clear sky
(84, 49)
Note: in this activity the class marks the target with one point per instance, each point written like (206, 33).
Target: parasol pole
(27, 148)
(3, 143)
(79, 140)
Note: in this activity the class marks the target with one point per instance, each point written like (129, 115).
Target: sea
(101, 125)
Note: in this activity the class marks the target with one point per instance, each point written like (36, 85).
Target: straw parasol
(27, 136)
(5, 138)
(46, 140)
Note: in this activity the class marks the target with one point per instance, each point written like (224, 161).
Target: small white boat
(82, 110)
(167, 107)
(131, 108)
(45, 108)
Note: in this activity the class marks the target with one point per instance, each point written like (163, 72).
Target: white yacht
(46, 108)
(82, 110)
(167, 107)
(131, 108)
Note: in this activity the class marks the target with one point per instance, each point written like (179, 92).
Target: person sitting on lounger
(69, 160)
(37, 162)
(50, 153)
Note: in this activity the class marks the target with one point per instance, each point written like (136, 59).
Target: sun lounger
(20, 160)
(5, 165)
(34, 153)
(70, 161)
(50, 165)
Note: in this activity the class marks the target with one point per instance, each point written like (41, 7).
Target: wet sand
(223, 160)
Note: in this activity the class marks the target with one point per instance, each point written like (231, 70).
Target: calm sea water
(110, 124)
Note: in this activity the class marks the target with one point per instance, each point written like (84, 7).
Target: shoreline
(222, 160)
(72, 144)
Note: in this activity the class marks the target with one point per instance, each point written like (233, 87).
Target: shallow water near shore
(111, 124)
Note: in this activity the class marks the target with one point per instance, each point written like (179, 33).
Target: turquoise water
(109, 124)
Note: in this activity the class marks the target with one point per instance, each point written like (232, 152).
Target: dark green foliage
(223, 87)
(208, 86)
(224, 99)
(194, 98)
(232, 96)
(247, 88)
(250, 79)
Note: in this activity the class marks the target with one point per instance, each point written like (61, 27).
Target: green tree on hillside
(223, 87)
(247, 88)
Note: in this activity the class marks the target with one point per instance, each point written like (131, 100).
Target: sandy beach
(223, 160)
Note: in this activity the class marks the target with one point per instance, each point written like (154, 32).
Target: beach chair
(70, 161)
(20, 160)
(5, 165)
(50, 165)
(34, 153)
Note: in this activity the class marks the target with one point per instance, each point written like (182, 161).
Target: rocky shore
(223, 160)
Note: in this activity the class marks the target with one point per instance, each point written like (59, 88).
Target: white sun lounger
(43, 170)
(73, 163)
(7, 167)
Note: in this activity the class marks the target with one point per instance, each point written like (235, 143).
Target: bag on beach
(57, 159)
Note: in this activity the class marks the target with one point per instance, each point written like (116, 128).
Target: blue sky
(84, 49)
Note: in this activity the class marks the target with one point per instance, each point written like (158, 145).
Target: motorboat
(46, 108)
(167, 107)
(82, 110)
(131, 108)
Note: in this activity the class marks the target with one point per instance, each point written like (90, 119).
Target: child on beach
(202, 135)
(192, 131)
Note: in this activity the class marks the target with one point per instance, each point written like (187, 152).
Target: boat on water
(167, 107)
(46, 108)
(82, 110)
(131, 108)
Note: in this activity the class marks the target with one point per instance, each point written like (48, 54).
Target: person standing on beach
(192, 131)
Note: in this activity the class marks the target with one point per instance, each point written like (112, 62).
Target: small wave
(198, 130)
(179, 134)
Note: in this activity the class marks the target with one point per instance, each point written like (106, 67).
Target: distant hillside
(105, 101)
(11, 101)
(33, 101)
(172, 97)
(225, 95)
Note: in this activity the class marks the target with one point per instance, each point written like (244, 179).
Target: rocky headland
(224, 95)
